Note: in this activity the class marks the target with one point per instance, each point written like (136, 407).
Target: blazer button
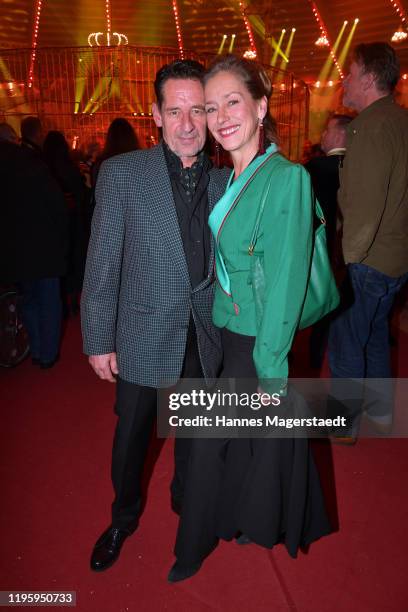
(236, 308)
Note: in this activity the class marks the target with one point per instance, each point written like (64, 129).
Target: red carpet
(56, 440)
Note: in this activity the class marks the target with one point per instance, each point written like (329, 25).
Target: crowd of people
(45, 223)
(169, 291)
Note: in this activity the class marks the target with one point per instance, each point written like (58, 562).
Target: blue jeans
(41, 313)
(359, 344)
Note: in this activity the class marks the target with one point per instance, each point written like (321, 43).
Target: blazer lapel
(235, 190)
(216, 190)
(165, 215)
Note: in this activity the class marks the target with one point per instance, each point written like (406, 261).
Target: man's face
(355, 86)
(182, 118)
(333, 136)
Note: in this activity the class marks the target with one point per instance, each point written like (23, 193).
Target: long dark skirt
(267, 489)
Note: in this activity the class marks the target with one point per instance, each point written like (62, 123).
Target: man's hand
(105, 366)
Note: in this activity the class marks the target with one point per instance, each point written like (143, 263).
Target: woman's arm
(287, 225)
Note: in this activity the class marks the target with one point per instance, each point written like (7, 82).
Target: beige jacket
(373, 194)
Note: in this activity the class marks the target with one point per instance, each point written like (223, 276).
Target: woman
(120, 138)
(58, 157)
(260, 490)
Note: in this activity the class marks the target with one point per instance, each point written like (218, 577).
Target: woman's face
(233, 116)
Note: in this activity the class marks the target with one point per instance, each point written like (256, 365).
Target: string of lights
(400, 34)
(251, 54)
(178, 29)
(324, 40)
(108, 21)
(112, 38)
(399, 9)
(34, 42)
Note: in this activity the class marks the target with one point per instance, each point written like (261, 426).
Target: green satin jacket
(284, 243)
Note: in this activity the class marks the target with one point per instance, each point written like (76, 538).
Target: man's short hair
(380, 59)
(342, 121)
(30, 128)
(7, 133)
(179, 69)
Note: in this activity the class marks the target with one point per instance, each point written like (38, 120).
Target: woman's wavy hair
(121, 138)
(254, 78)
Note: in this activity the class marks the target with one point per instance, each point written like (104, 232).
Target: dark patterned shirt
(189, 187)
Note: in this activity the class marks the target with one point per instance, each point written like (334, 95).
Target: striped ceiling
(203, 23)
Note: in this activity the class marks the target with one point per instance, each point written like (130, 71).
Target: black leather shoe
(107, 548)
(181, 572)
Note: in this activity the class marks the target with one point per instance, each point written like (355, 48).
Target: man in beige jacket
(373, 200)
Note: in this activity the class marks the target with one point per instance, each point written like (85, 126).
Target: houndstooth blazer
(137, 296)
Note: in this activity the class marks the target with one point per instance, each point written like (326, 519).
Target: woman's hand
(268, 399)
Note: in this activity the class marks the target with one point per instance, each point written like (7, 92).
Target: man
(373, 199)
(324, 172)
(32, 135)
(148, 289)
(33, 245)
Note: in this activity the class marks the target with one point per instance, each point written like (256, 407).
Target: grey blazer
(137, 295)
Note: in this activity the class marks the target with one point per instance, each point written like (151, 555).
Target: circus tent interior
(81, 63)
(77, 65)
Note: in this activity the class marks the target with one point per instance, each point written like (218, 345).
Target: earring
(217, 154)
(261, 147)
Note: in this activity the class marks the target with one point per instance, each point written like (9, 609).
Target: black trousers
(266, 488)
(136, 407)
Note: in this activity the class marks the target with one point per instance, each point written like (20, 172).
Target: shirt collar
(174, 162)
(338, 151)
